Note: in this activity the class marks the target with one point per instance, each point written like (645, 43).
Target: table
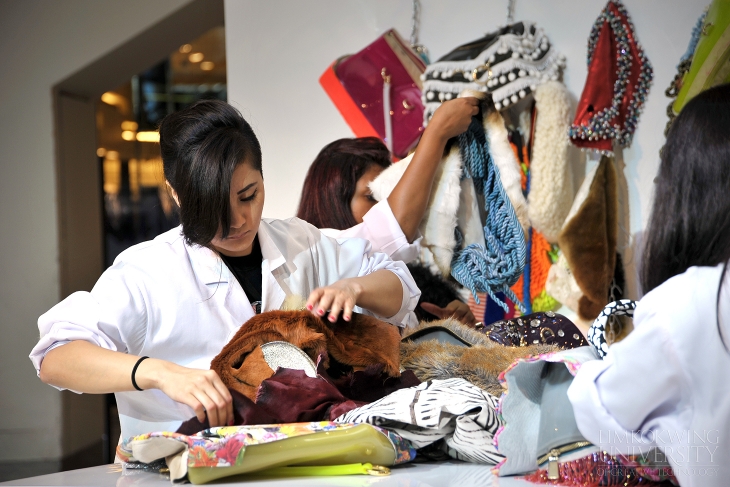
(449, 473)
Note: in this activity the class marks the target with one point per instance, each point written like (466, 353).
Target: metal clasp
(378, 471)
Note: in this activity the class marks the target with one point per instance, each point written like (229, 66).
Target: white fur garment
(551, 184)
(437, 226)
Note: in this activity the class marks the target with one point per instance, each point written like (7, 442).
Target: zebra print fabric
(453, 410)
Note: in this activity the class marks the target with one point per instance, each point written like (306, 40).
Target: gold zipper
(553, 456)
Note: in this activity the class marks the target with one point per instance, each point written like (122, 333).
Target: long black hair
(690, 219)
(201, 146)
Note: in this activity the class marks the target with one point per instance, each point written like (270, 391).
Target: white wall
(278, 49)
(41, 43)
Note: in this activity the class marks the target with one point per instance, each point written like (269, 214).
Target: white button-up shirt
(382, 229)
(666, 384)
(168, 300)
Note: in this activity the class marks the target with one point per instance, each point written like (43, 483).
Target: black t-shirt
(247, 270)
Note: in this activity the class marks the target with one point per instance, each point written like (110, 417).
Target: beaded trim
(509, 69)
(602, 125)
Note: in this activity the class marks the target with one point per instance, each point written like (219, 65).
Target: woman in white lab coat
(665, 385)
(179, 298)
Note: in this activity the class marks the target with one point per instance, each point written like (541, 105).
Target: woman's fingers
(216, 405)
(340, 297)
(313, 300)
(202, 390)
(335, 309)
(227, 398)
(455, 309)
(463, 313)
(437, 311)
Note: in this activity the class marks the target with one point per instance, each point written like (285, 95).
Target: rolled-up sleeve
(405, 316)
(382, 230)
(109, 316)
(352, 257)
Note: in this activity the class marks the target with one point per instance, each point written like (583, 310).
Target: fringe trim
(600, 469)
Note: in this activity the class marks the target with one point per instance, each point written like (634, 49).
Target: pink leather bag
(378, 92)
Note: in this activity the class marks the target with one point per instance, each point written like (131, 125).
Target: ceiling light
(207, 65)
(101, 152)
(111, 98)
(186, 48)
(112, 155)
(196, 57)
(149, 136)
(128, 135)
(129, 125)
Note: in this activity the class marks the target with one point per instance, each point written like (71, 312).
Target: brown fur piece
(359, 343)
(588, 241)
(479, 364)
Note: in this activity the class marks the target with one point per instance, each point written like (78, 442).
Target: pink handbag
(378, 92)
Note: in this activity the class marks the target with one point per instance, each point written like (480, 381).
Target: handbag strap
(597, 332)
(388, 124)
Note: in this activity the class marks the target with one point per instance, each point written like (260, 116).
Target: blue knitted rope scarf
(498, 266)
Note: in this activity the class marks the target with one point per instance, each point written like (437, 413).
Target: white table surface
(451, 473)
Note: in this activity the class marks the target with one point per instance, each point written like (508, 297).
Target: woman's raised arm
(410, 196)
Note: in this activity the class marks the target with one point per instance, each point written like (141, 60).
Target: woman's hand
(455, 309)
(453, 117)
(331, 300)
(86, 367)
(202, 390)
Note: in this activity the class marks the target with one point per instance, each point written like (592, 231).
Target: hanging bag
(541, 438)
(378, 92)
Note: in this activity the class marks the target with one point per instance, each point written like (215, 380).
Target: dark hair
(690, 219)
(332, 179)
(201, 146)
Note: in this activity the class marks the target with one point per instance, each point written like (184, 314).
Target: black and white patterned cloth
(597, 331)
(508, 63)
(454, 410)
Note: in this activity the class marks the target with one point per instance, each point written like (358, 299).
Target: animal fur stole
(479, 364)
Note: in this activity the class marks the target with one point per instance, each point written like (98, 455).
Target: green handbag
(711, 61)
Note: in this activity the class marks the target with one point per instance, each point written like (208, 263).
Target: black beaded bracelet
(134, 371)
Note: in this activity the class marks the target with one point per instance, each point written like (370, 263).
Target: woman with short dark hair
(663, 386)
(157, 317)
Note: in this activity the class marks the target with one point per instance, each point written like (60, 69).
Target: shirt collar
(269, 248)
(210, 269)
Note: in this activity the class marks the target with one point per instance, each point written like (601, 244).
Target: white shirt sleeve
(110, 316)
(381, 228)
(617, 401)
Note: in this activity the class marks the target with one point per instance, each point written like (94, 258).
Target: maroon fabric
(372, 384)
(244, 412)
(293, 397)
(290, 396)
